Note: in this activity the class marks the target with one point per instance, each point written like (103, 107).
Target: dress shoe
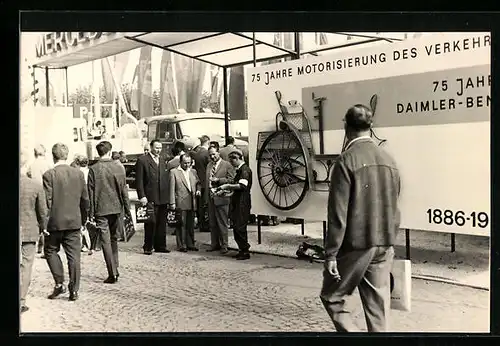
(212, 249)
(111, 279)
(224, 251)
(183, 250)
(163, 251)
(24, 308)
(73, 296)
(243, 256)
(237, 255)
(148, 252)
(192, 249)
(57, 291)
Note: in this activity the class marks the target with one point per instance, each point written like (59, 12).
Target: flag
(107, 79)
(144, 83)
(134, 94)
(167, 88)
(215, 78)
(236, 94)
(190, 77)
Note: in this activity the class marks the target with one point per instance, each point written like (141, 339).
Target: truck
(184, 127)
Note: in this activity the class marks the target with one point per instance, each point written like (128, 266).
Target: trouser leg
(352, 267)
(240, 219)
(28, 250)
(149, 231)
(103, 225)
(222, 224)
(52, 245)
(180, 231)
(374, 290)
(189, 228)
(114, 224)
(72, 245)
(214, 229)
(160, 235)
(41, 239)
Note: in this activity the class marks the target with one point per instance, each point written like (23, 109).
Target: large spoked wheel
(282, 170)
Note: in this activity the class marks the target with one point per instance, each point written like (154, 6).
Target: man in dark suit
(184, 188)
(201, 160)
(240, 202)
(218, 172)
(152, 181)
(363, 220)
(108, 198)
(224, 151)
(68, 205)
(32, 218)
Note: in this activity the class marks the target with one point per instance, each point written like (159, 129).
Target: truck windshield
(195, 128)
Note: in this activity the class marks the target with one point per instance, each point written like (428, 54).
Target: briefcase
(144, 214)
(174, 218)
(94, 234)
(128, 226)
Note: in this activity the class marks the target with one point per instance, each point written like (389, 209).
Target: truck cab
(184, 127)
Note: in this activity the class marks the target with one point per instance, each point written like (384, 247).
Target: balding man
(363, 220)
(32, 217)
(40, 165)
(36, 171)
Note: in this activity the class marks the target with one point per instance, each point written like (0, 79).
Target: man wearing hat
(240, 202)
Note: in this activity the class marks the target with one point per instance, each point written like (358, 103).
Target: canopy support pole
(297, 45)
(254, 50)
(226, 111)
(67, 85)
(47, 87)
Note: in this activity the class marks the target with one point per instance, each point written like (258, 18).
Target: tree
(206, 102)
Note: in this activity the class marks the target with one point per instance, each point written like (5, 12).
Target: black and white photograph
(255, 182)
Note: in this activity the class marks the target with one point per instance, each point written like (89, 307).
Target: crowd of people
(362, 212)
(62, 201)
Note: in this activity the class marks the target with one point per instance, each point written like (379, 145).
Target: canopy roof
(224, 49)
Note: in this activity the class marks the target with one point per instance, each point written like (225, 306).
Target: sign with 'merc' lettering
(59, 43)
(433, 110)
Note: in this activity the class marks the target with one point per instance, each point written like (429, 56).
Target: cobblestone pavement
(196, 292)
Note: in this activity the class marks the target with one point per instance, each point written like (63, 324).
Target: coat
(67, 198)
(32, 209)
(226, 173)
(108, 192)
(363, 200)
(183, 198)
(152, 180)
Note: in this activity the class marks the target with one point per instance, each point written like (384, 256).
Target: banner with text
(432, 109)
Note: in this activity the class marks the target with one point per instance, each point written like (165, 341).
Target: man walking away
(108, 197)
(33, 217)
(240, 202)
(219, 172)
(201, 160)
(117, 158)
(363, 220)
(184, 188)
(152, 181)
(68, 204)
(36, 170)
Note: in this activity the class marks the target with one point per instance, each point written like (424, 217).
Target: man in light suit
(152, 187)
(218, 172)
(32, 218)
(68, 204)
(184, 188)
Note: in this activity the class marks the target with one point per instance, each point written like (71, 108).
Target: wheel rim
(282, 171)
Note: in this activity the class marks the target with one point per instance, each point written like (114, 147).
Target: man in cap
(240, 201)
(363, 220)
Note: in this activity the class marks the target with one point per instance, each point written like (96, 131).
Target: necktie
(212, 173)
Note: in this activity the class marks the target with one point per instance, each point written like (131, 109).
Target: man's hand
(172, 206)
(198, 193)
(224, 187)
(44, 232)
(214, 179)
(331, 268)
(143, 201)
